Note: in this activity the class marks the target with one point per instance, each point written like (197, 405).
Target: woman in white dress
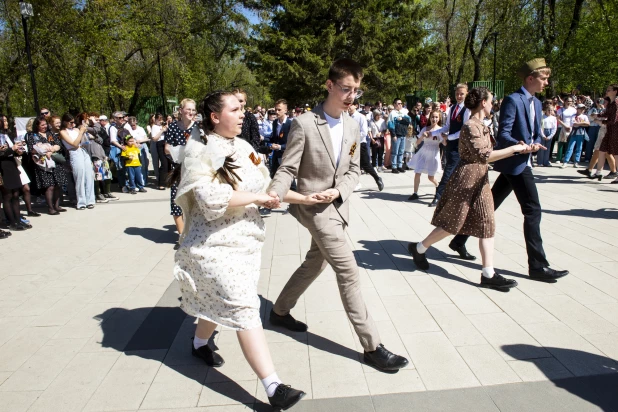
(427, 158)
(222, 183)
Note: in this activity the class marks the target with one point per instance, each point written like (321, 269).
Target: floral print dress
(218, 262)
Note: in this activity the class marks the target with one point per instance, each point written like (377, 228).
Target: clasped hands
(271, 200)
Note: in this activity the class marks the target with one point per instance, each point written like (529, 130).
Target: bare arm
(246, 198)
(504, 153)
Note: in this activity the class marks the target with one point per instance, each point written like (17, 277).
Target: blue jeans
(576, 143)
(135, 177)
(143, 158)
(397, 147)
(542, 156)
(83, 174)
(121, 170)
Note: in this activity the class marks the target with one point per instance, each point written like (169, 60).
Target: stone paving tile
(542, 369)
(17, 401)
(488, 366)
(459, 330)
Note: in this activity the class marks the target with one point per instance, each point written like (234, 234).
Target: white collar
(526, 93)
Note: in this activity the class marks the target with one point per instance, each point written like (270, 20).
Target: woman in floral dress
(222, 183)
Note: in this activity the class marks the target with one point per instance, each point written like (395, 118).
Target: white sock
(420, 248)
(198, 343)
(488, 272)
(270, 384)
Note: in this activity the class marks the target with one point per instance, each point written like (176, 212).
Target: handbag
(58, 158)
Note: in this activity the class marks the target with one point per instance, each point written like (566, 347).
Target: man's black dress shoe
(209, 356)
(462, 251)
(384, 360)
(547, 274)
(401, 170)
(380, 183)
(434, 202)
(498, 282)
(285, 397)
(395, 171)
(419, 258)
(287, 322)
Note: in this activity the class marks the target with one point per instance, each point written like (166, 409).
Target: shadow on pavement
(599, 388)
(604, 213)
(168, 235)
(140, 331)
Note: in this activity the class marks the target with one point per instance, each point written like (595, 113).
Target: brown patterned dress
(467, 207)
(609, 144)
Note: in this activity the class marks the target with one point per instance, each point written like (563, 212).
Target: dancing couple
(468, 204)
(220, 187)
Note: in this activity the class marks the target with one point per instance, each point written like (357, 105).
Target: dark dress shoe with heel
(287, 322)
(547, 274)
(380, 183)
(498, 282)
(32, 213)
(384, 360)
(285, 397)
(462, 251)
(419, 258)
(208, 355)
(433, 203)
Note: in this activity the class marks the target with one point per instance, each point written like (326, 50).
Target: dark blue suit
(279, 137)
(516, 175)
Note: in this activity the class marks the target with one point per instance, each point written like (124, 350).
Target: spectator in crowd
(44, 112)
(388, 138)
(427, 159)
(598, 119)
(177, 134)
(11, 180)
(267, 125)
(160, 162)
(104, 121)
(49, 174)
(578, 134)
(98, 149)
(398, 123)
(117, 146)
(141, 141)
(548, 130)
(73, 140)
(132, 155)
(565, 118)
(279, 136)
(250, 129)
(365, 164)
(377, 127)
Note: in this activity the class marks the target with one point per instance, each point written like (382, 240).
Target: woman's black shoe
(413, 197)
(4, 235)
(419, 258)
(209, 356)
(285, 397)
(33, 214)
(17, 227)
(498, 282)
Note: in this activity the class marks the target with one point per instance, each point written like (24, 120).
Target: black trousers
(365, 164)
(274, 165)
(377, 156)
(164, 166)
(452, 160)
(528, 197)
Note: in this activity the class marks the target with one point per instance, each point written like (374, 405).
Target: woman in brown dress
(467, 206)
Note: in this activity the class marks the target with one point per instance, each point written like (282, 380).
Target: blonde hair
(461, 86)
(239, 91)
(545, 71)
(29, 124)
(184, 102)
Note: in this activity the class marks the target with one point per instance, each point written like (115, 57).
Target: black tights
(102, 186)
(10, 201)
(52, 197)
(26, 195)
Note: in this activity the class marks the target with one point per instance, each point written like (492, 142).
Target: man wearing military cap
(520, 123)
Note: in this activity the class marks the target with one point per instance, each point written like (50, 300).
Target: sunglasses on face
(44, 113)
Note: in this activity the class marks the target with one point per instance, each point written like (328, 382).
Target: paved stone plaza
(89, 317)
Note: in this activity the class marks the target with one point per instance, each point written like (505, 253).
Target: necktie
(455, 112)
(532, 116)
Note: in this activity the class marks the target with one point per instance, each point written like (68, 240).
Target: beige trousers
(329, 246)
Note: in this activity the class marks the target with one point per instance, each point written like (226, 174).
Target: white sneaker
(563, 166)
(380, 169)
(358, 186)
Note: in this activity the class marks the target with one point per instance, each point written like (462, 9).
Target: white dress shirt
(336, 135)
(447, 125)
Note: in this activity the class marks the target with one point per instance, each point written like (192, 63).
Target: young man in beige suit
(323, 153)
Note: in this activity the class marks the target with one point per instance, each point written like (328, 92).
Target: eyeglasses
(397, 103)
(44, 113)
(348, 91)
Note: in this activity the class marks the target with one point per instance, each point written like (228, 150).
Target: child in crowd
(131, 154)
(550, 126)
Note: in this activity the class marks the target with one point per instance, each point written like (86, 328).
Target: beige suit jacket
(309, 157)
